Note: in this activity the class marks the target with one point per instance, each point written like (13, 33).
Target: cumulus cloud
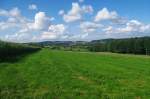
(87, 9)
(32, 7)
(15, 12)
(13, 15)
(61, 12)
(75, 14)
(48, 35)
(8, 25)
(18, 37)
(108, 30)
(3, 12)
(135, 26)
(16, 27)
(59, 28)
(13, 18)
(53, 32)
(20, 27)
(88, 27)
(105, 14)
(41, 21)
(130, 27)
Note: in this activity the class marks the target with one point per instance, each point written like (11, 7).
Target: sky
(73, 20)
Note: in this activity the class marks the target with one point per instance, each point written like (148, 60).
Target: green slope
(72, 75)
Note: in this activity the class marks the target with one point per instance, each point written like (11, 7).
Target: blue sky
(40, 20)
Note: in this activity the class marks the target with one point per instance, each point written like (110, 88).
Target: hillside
(136, 45)
(76, 75)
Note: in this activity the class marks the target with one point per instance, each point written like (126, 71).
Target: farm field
(49, 74)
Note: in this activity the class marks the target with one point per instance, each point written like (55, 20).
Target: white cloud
(41, 21)
(61, 12)
(52, 18)
(53, 32)
(48, 35)
(8, 25)
(59, 28)
(20, 28)
(87, 9)
(32, 7)
(130, 27)
(88, 27)
(18, 37)
(108, 29)
(104, 14)
(15, 12)
(13, 19)
(3, 12)
(135, 26)
(145, 28)
(16, 27)
(75, 14)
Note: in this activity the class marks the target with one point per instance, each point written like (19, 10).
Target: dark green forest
(139, 45)
(12, 51)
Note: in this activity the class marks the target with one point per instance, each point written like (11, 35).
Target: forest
(136, 45)
(12, 51)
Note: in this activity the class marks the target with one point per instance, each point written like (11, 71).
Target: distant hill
(137, 45)
(70, 43)
(59, 43)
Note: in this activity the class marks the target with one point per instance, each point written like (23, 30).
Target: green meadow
(49, 74)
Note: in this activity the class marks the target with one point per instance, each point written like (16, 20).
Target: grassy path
(72, 75)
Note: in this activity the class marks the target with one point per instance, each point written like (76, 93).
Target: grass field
(75, 75)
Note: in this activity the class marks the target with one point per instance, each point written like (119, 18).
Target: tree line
(139, 45)
(12, 50)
